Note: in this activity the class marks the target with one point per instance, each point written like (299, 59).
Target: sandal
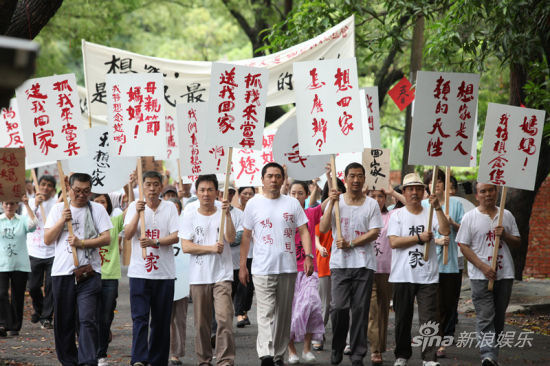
(376, 358)
(441, 352)
(175, 361)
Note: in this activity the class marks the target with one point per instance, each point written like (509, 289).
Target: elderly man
(411, 275)
(476, 237)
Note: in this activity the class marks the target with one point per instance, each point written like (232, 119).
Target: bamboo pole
(66, 203)
(431, 214)
(142, 213)
(494, 260)
(36, 187)
(225, 193)
(337, 206)
(447, 199)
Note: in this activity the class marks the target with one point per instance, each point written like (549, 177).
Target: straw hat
(412, 179)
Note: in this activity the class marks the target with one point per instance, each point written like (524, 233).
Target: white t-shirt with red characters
(273, 223)
(477, 231)
(159, 263)
(35, 240)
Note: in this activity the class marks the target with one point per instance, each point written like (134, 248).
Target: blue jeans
(69, 297)
(490, 313)
(154, 298)
(106, 313)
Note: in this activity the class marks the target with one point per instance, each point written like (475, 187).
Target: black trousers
(41, 275)
(11, 307)
(404, 294)
(242, 300)
(448, 294)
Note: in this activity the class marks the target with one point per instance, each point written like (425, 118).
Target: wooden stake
(66, 203)
(447, 194)
(35, 182)
(337, 206)
(180, 183)
(225, 193)
(494, 260)
(142, 213)
(127, 243)
(431, 214)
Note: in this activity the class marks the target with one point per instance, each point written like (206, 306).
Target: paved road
(35, 346)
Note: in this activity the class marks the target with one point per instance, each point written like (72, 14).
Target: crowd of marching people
(306, 254)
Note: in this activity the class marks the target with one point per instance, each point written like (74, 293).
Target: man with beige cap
(411, 275)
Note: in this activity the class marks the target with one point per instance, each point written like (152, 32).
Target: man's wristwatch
(310, 255)
(419, 240)
(157, 243)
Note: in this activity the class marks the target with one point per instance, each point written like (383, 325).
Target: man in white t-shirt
(41, 255)
(271, 219)
(411, 275)
(91, 225)
(352, 263)
(476, 237)
(210, 271)
(151, 278)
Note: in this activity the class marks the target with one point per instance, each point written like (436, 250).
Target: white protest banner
(286, 151)
(473, 154)
(371, 117)
(181, 259)
(136, 115)
(10, 126)
(444, 118)
(53, 129)
(328, 109)
(197, 155)
(511, 146)
(247, 163)
(189, 81)
(109, 172)
(344, 159)
(237, 106)
(12, 174)
(377, 168)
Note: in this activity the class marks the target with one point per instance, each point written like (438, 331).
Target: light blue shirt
(456, 212)
(13, 243)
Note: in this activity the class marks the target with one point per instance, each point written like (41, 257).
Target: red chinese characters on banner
(119, 136)
(12, 174)
(267, 149)
(295, 157)
(464, 96)
(170, 137)
(496, 174)
(250, 113)
(225, 108)
(9, 117)
(370, 112)
(248, 165)
(527, 145)
(43, 138)
(64, 96)
(342, 84)
(435, 144)
(402, 94)
(194, 160)
(319, 123)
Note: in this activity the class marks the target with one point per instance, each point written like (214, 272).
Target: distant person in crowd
(352, 263)
(169, 192)
(211, 272)
(151, 278)
(110, 274)
(450, 277)
(412, 276)
(477, 235)
(41, 255)
(307, 318)
(272, 219)
(14, 264)
(91, 226)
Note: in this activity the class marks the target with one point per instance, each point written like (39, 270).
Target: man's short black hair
(152, 174)
(81, 177)
(354, 166)
(207, 178)
(47, 178)
(273, 165)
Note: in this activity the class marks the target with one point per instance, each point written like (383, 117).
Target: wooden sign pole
(447, 194)
(36, 187)
(142, 213)
(494, 260)
(66, 203)
(180, 183)
(225, 193)
(337, 206)
(127, 246)
(430, 217)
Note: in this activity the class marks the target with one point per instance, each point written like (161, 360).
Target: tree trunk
(416, 64)
(8, 7)
(518, 201)
(30, 16)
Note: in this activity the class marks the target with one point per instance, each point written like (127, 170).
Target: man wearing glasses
(91, 226)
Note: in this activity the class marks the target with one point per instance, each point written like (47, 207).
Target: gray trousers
(490, 313)
(324, 294)
(351, 289)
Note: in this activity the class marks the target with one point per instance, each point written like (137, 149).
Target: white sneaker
(430, 363)
(102, 362)
(293, 358)
(400, 362)
(347, 350)
(308, 357)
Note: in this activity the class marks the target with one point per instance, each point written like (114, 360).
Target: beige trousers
(178, 323)
(274, 295)
(218, 296)
(379, 311)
